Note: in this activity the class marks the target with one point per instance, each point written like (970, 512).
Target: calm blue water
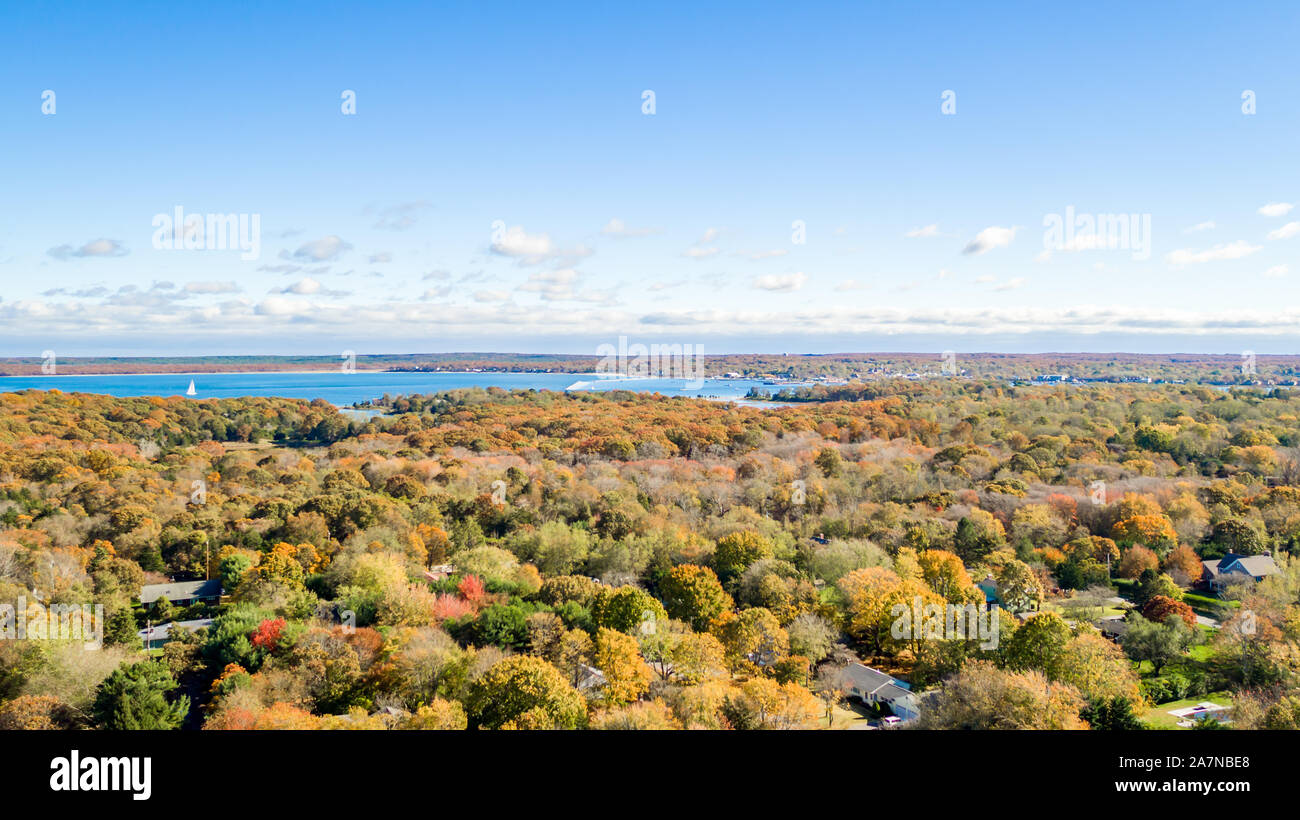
(343, 389)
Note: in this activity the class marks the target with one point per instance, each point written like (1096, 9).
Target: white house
(874, 687)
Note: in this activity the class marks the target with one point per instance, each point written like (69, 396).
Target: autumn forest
(485, 559)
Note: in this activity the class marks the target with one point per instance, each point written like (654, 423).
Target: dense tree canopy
(496, 559)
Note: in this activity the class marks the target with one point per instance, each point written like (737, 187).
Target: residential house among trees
(1234, 567)
(875, 688)
(183, 593)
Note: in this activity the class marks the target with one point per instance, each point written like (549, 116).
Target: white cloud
(1218, 253)
(409, 319)
(990, 238)
(322, 250)
(1011, 284)
(852, 284)
(780, 283)
(1207, 225)
(380, 258)
(532, 249)
(921, 233)
(303, 287)
(555, 284)
(710, 234)
(518, 242)
(93, 248)
(560, 286)
(1277, 272)
(1276, 209)
(79, 293)
(771, 254)
(280, 306)
(1287, 231)
(490, 296)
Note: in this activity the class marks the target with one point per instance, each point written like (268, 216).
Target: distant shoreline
(359, 371)
(791, 370)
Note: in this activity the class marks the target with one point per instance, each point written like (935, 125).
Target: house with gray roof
(589, 679)
(183, 593)
(1112, 627)
(1237, 568)
(871, 686)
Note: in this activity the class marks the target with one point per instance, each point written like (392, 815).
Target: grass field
(1158, 717)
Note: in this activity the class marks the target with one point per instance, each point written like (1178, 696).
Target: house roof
(1256, 565)
(893, 692)
(883, 688)
(874, 682)
(439, 572)
(589, 677)
(1112, 626)
(866, 678)
(181, 590)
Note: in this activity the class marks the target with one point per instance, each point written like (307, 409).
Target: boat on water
(191, 391)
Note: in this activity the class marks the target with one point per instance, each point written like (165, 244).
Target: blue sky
(500, 188)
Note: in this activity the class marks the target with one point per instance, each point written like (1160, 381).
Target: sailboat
(191, 391)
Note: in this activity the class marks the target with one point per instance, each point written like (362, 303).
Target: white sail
(191, 391)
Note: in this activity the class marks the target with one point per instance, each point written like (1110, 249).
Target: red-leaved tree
(472, 590)
(267, 634)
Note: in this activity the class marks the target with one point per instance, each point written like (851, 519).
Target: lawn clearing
(1158, 717)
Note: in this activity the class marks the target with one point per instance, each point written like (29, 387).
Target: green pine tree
(135, 697)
